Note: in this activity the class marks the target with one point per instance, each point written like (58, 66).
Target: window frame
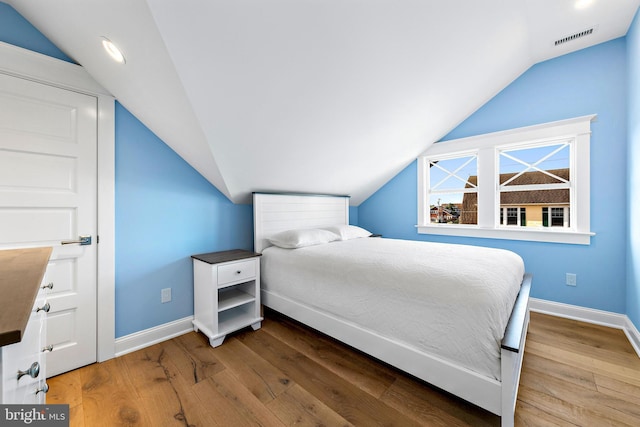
(487, 148)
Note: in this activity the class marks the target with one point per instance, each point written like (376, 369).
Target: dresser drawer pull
(48, 348)
(48, 286)
(33, 371)
(44, 389)
(46, 307)
(239, 272)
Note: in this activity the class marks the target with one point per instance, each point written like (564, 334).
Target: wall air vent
(574, 37)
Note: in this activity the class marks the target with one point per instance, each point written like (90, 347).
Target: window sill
(533, 235)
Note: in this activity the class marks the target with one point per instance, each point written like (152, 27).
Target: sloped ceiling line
(331, 96)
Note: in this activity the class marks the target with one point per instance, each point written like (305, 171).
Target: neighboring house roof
(538, 196)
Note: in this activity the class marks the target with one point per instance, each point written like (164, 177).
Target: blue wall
(585, 82)
(165, 211)
(633, 257)
(16, 30)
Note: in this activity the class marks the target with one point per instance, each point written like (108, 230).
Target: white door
(48, 170)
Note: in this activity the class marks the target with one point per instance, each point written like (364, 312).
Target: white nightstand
(226, 293)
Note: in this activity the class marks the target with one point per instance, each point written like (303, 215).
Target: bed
(460, 326)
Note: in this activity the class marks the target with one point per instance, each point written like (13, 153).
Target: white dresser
(226, 293)
(23, 325)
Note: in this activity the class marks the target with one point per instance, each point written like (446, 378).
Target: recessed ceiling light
(583, 4)
(113, 50)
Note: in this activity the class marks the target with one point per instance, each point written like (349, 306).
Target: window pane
(534, 178)
(547, 164)
(452, 192)
(453, 174)
(453, 208)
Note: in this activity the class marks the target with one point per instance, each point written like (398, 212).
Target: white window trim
(487, 146)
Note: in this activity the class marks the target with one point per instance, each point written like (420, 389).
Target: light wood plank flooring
(285, 374)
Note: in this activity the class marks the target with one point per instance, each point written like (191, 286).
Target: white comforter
(453, 301)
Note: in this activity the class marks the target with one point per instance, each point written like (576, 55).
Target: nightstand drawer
(236, 271)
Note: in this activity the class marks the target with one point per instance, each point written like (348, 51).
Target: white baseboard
(589, 315)
(151, 336)
(633, 335)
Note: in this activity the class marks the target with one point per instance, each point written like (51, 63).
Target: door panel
(23, 171)
(48, 188)
(45, 225)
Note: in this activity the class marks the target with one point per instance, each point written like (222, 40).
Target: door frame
(30, 65)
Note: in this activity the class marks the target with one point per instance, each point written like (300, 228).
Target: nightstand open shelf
(226, 293)
(235, 296)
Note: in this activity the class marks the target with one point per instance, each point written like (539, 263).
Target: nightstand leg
(256, 326)
(217, 341)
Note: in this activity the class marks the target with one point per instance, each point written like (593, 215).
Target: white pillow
(292, 239)
(348, 232)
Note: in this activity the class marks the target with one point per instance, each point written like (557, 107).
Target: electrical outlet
(572, 279)
(165, 295)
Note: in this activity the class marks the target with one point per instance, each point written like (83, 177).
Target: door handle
(82, 241)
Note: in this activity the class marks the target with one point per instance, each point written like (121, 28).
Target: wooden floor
(285, 374)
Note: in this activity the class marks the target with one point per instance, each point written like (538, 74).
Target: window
(535, 176)
(512, 216)
(526, 184)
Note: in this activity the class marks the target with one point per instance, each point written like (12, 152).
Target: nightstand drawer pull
(48, 286)
(33, 371)
(44, 389)
(235, 271)
(48, 348)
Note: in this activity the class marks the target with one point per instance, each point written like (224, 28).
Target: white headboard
(273, 213)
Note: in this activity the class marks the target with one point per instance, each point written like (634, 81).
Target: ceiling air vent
(573, 37)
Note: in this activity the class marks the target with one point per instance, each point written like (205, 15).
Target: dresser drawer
(233, 272)
(20, 357)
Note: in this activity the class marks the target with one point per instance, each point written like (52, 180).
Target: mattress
(450, 301)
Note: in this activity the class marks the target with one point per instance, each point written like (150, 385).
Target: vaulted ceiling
(328, 96)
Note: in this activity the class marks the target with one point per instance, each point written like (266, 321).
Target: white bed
(436, 311)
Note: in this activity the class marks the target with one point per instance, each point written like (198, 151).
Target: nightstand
(226, 292)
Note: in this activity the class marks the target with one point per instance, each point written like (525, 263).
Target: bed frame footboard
(512, 352)
(495, 396)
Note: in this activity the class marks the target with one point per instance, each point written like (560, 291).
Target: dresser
(23, 311)
(226, 293)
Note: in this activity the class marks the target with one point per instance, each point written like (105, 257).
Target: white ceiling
(328, 96)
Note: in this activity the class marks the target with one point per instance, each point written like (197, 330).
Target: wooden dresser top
(225, 256)
(21, 273)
